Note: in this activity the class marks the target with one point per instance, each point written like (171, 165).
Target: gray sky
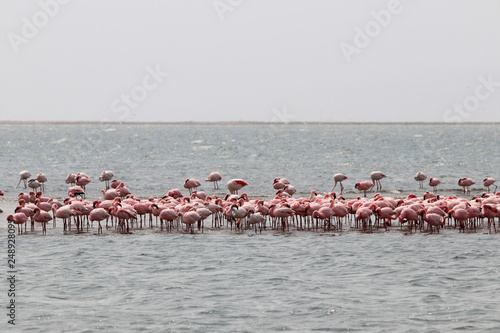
(250, 60)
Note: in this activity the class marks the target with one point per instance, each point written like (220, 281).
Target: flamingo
(105, 177)
(487, 182)
(76, 191)
(214, 177)
(64, 213)
(41, 178)
(18, 219)
(98, 214)
(364, 186)
(433, 220)
(387, 214)
(82, 180)
(410, 215)
(23, 176)
(122, 190)
(237, 213)
(420, 177)
(169, 215)
(234, 185)
(33, 183)
(278, 184)
(110, 194)
(466, 183)
(191, 183)
(290, 190)
(42, 217)
(434, 182)
(376, 176)
(175, 193)
(71, 179)
(339, 178)
(255, 219)
(189, 218)
(123, 213)
(460, 215)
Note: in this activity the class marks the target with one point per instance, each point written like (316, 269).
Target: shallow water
(220, 281)
(151, 159)
(224, 282)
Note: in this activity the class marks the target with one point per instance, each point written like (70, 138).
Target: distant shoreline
(232, 123)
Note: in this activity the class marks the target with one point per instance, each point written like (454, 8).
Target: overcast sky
(250, 60)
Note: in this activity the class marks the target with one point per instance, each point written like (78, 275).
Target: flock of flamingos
(120, 210)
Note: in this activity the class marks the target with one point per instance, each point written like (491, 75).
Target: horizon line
(57, 122)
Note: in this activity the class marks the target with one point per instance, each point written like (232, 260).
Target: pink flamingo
(175, 193)
(115, 182)
(339, 178)
(18, 219)
(189, 218)
(110, 194)
(491, 212)
(105, 177)
(434, 182)
(43, 205)
(459, 214)
(76, 191)
(82, 180)
(487, 182)
(169, 215)
(408, 215)
(143, 208)
(71, 179)
(98, 214)
(433, 220)
(234, 185)
(64, 213)
(324, 214)
(387, 214)
(278, 184)
(376, 176)
(466, 183)
(41, 178)
(290, 190)
(237, 212)
(123, 214)
(420, 177)
(191, 183)
(23, 176)
(364, 186)
(255, 219)
(122, 190)
(283, 212)
(214, 177)
(42, 217)
(364, 214)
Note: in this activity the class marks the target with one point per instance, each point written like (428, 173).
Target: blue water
(220, 281)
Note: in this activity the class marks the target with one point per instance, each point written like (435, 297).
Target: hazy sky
(250, 60)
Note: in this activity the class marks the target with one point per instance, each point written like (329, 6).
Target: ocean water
(220, 281)
(151, 159)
